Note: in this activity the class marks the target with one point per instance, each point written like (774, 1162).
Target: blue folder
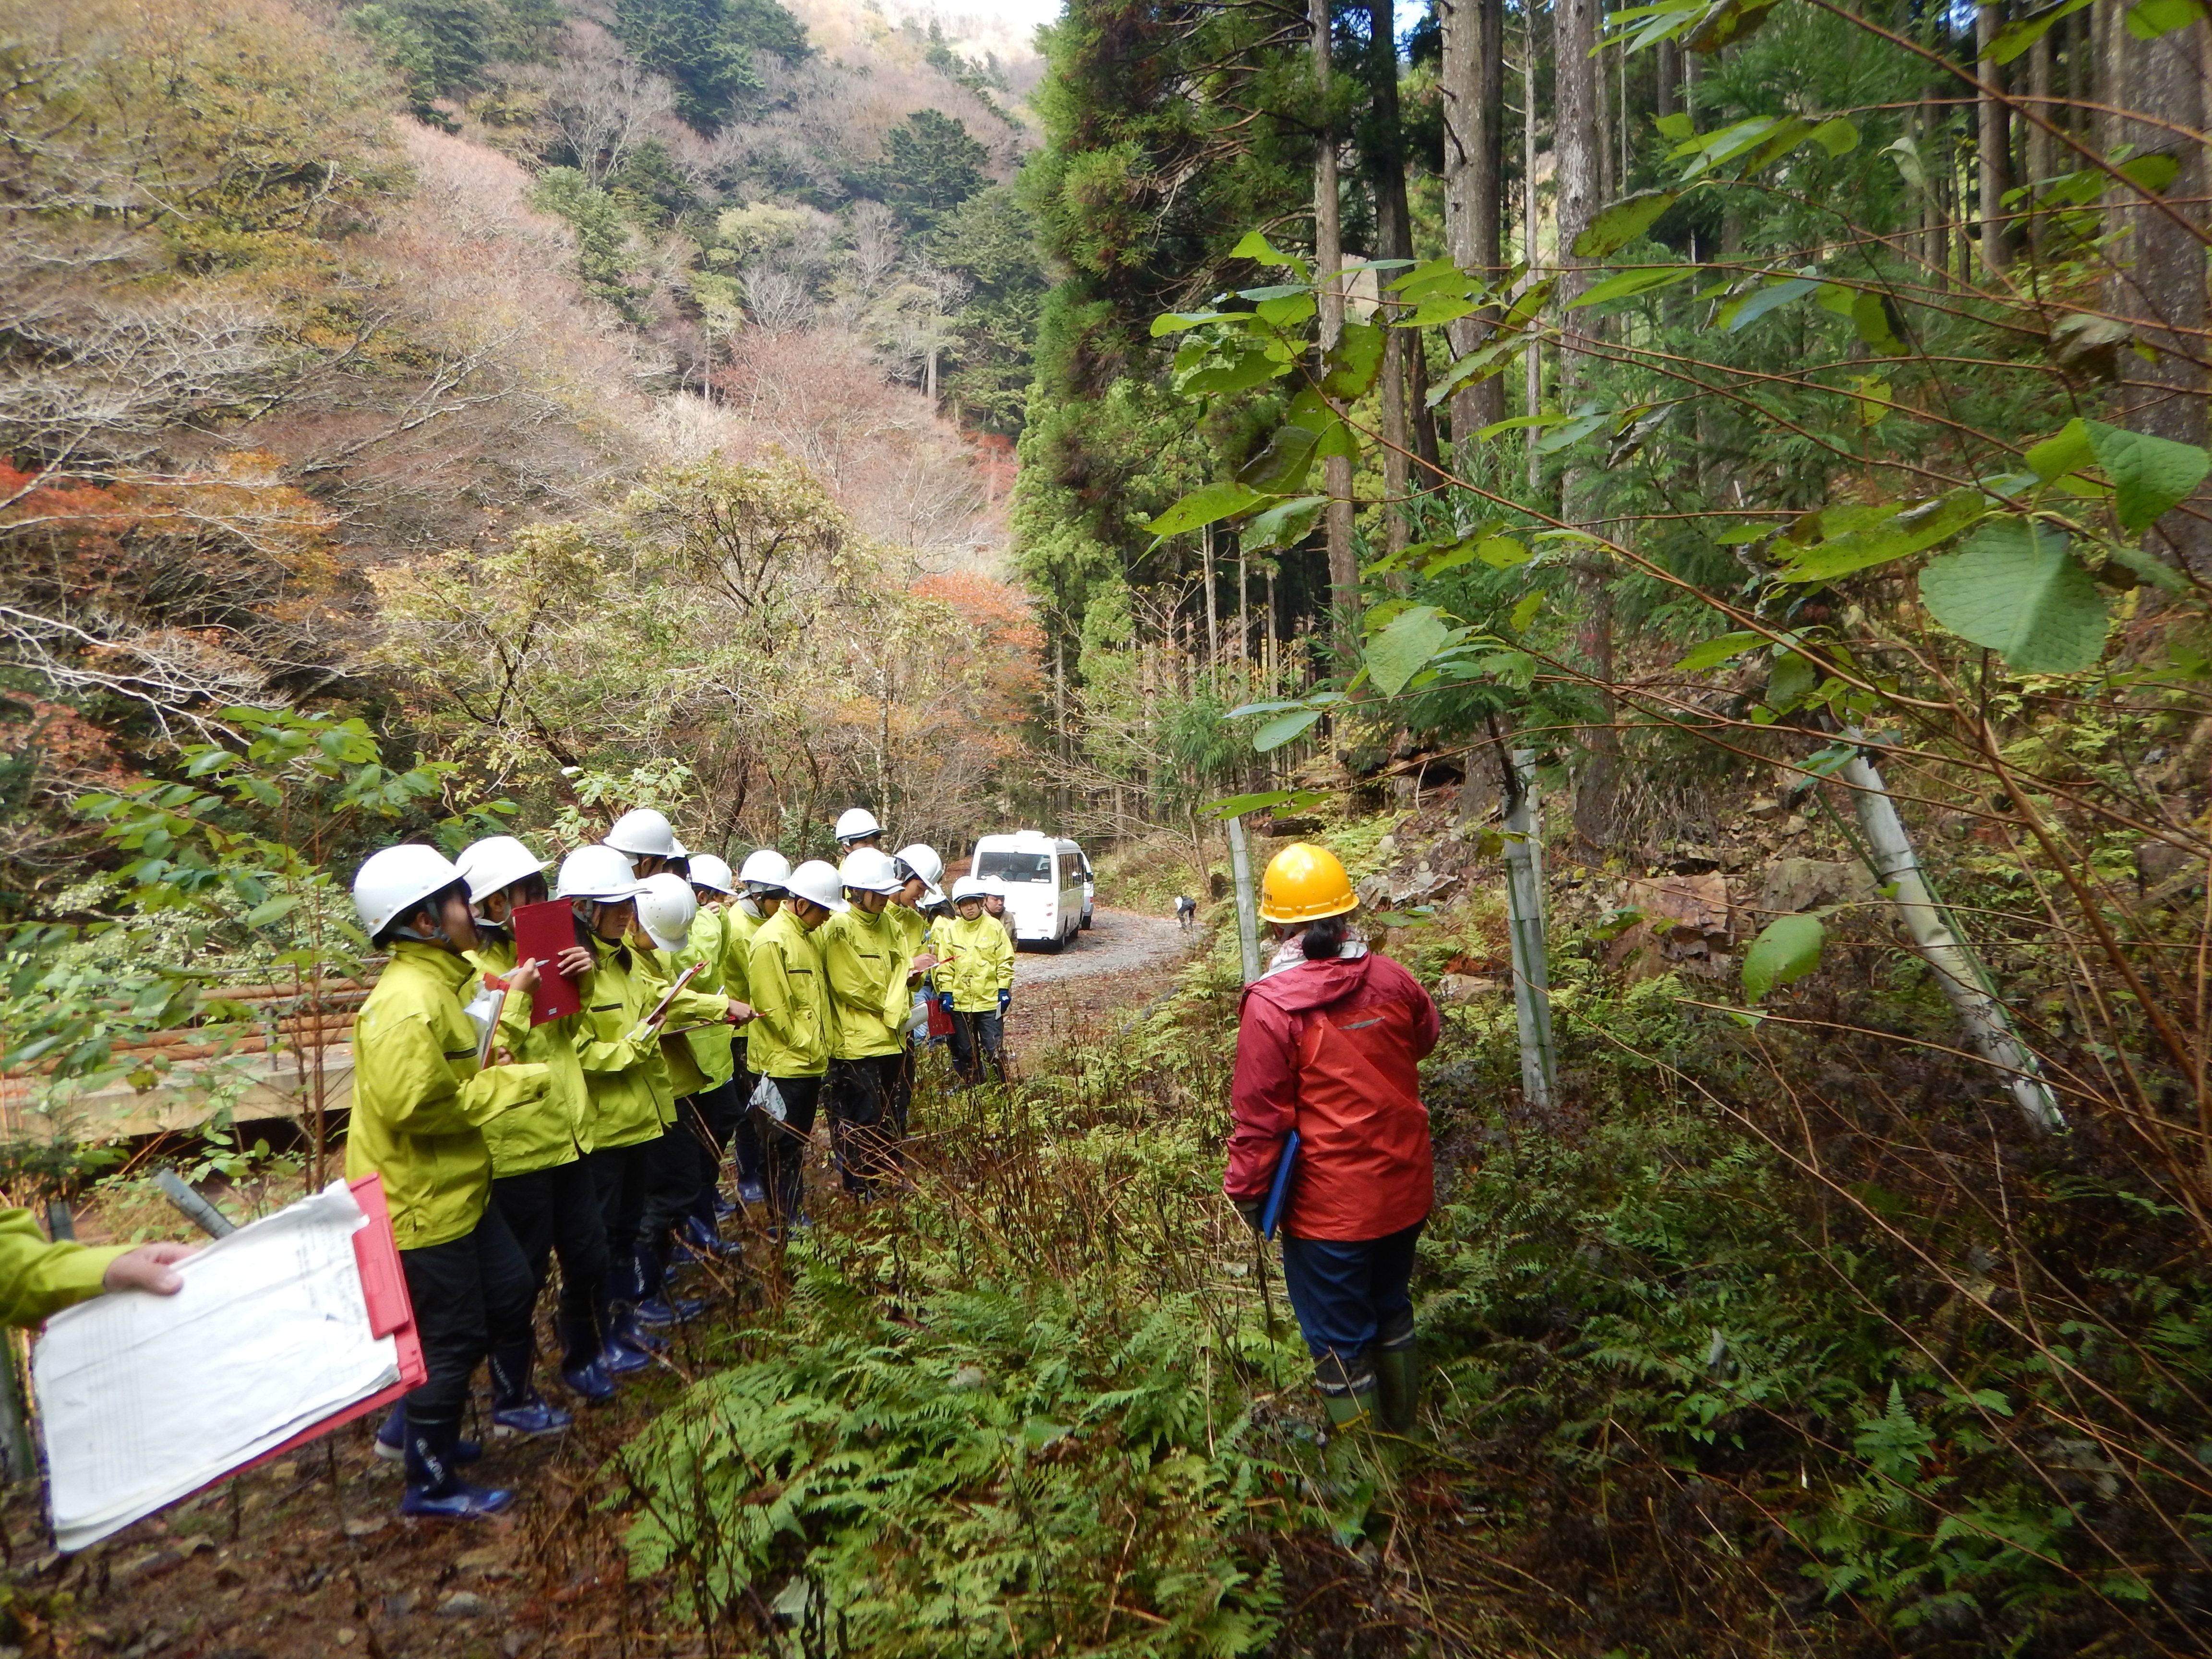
(1281, 1189)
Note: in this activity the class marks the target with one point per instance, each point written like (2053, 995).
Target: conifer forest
(1703, 506)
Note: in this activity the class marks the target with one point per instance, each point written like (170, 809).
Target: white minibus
(1045, 881)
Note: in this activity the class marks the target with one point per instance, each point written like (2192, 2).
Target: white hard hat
(394, 883)
(924, 862)
(642, 833)
(817, 881)
(708, 871)
(596, 872)
(854, 821)
(765, 868)
(666, 905)
(495, 864)
(869, 869)
(968, 887)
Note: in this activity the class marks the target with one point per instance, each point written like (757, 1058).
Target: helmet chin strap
(436, 936)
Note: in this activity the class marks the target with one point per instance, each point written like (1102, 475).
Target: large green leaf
(2015, 589)
(1281, 729)
(1787, 949)
(1353, 366)
(2067, 450)
(1913, 529)
(1739, 314)
(2148, 474)
(1205, 506)
(1724, 21)
(1614, 226)
(1713, 652)
(1642, 279)
(1404, 648)
(1258, 249)
(1282, 466)
(2148, 19)
(2017, 36)
(1282, 525)
(1248, 369)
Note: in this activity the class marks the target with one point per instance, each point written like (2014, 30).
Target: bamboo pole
(1897, 867)
(1524, 903)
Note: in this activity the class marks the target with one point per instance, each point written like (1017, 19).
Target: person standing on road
(1185, 911)
(974, 978)
(1329, 1043)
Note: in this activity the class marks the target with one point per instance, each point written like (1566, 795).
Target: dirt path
(1118, 941)
(1125, 960)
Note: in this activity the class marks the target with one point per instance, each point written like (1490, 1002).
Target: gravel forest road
(1066, 996)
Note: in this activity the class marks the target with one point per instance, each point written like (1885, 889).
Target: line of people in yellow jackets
(720, 1013)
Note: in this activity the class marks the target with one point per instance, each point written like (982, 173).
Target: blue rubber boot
(583, 1371)
(516, 1407)
(433, 1491)
(657, 1306)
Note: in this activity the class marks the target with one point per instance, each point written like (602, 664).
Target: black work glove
(1254, 1212)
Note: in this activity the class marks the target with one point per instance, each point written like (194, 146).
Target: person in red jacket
(1329, 1042)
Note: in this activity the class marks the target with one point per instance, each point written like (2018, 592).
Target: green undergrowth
(1790, 1330)
(1026, 1408)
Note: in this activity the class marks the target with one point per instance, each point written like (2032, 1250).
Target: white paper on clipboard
(489, 1033)
(142, 1399)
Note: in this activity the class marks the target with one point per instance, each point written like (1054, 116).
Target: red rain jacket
(1331, 1049)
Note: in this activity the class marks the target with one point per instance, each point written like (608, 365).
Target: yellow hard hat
(1305, 882)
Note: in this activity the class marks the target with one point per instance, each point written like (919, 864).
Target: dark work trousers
(470, 1294)
(783, 1144)
(620, 1173)
(673, 1173)
(722, 1109)
(744, 1139)
(1347, 1293)
(903, 1088)
(863, 1124)
(978, 1042)
(556, 1212)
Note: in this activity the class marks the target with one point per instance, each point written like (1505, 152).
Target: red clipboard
(542, 932)
(383, 1286)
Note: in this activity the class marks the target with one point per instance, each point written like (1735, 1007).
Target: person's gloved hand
(1254, 1212)
(945, 1001)
(1005, 997)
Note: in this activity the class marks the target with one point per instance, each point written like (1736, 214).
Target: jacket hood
(1313, 984)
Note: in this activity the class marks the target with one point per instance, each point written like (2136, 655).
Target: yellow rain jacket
(420, 1103)
(864, 961)
(791, 1038)
(692, 1006)
(38, 1279)
(556, 1130)
(979, 962)
(712, 1047)
(741, 928)
(633, 1098)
